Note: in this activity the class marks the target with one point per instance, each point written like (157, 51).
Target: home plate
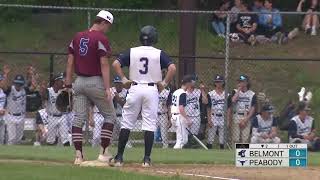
(94, 163)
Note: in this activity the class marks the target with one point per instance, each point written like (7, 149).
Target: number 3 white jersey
(145, 63)
(176, 101)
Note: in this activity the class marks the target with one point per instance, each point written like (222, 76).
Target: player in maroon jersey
(89, 53)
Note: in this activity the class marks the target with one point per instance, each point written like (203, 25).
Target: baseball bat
(198, 140)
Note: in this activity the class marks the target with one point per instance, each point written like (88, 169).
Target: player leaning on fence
(89, 53)
(302, 128)
(243, 105)
(16, 105)
(264, 126)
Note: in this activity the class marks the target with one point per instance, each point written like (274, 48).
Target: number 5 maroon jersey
(88, 47)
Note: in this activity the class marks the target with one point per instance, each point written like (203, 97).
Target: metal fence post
(89, 18)
(51, 69)
(226, 75)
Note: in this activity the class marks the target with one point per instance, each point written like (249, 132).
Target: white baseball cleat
(104, 157)
(146, 162)
(79, 158)
(301, 93)
(308, 96)
(37, 143)
(177, 146)
(116, 162)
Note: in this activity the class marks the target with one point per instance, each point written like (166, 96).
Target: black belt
(56, 115)
(15, 114)
(149, 84)
(159, 113)
(176, 113)
(119, 115)
(241, 114)
(218, 115)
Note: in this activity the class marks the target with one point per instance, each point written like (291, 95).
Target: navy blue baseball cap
(243, 77)
(1, 77)
(117, 79)
(59, 76)
(195, 77)
(218, 78)
(19, 79)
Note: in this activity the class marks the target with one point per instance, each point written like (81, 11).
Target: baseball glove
(64, 101)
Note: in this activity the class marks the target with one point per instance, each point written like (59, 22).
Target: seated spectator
(302, 128)
(234, 15)
(264, 127)
(246, 25)
(219, 19)
(270, 23)
(257, 5)
(310, 22)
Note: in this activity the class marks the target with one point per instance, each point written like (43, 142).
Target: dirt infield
(222, 172)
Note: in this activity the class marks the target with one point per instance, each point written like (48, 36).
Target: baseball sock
(123, 139)
(77, 138)
(148, 142)
(106, 135)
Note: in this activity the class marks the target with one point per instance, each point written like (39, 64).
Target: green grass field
(35, 163)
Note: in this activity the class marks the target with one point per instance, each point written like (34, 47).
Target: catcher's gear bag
(64, 101)
(34, 101)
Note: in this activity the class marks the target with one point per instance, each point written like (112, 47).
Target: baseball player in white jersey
(3, 98)
(243, 102)
(194, 98)
(302, 128)
(42, 126)
(216, 116)
(16, 108)
(179, 115)
(163, 120)
(57, 122)
(264, 127)
(145, 64)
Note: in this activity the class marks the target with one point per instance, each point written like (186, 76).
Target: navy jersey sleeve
(255, 123)
(183, 99)
(165, 60)
(209, 101)
(292, 130)
(124, 58)
(274, 122)
(229, 100)
(313, 125)
(169, 100)
(8, 91)
(254, 101)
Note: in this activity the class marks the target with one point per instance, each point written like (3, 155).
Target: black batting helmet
(148, 35)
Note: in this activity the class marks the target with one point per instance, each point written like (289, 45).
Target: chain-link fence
(275, 66)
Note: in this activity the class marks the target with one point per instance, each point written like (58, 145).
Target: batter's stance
(145, 63)
(89, 52)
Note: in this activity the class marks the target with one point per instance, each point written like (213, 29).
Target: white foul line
(197, 175)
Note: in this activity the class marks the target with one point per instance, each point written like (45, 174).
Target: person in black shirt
(247, 25)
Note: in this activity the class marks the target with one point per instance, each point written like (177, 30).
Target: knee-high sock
(77, 137)
(106, 135)
(148, 142)
(123, 139)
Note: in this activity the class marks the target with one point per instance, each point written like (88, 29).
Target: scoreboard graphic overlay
(271, 155)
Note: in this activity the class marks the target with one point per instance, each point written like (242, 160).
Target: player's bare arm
(184, 114)
(117, 68)
(246, 119)
(204, 94)
(69, 70)
(105, 69)
(5, 85)
(170, 74)
(209, 116)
